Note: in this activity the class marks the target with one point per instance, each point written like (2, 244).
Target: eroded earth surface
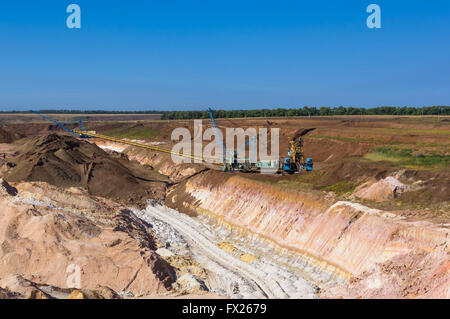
(137, 226)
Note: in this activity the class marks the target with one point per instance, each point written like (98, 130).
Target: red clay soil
(65, 161)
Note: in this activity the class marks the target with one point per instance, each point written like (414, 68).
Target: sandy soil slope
(347, 227)
(348, 240)
(43, 230)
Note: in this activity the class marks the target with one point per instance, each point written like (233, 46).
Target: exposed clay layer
(163, 163)
(342, 238)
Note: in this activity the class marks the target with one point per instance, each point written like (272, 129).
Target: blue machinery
(296, 162)
(57, 123)
(82, 128)
(218, 133)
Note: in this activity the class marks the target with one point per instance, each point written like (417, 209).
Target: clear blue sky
(134, 55)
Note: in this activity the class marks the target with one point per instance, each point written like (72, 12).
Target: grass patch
(400, 131)
(340, 188)
(406, 157)
(139, 132)
(431, 132)
(345, 139)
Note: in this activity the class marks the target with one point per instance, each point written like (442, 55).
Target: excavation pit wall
(328, 242)
(339, 246)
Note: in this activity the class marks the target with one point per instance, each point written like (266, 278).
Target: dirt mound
(47, 235)
(435, 186)
(17, 287)
(6, 294)
(381, 190)
(65, 161)
(413, 275)
(6, 136)
(99, 293)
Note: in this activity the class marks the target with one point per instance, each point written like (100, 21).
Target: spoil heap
(5, 136)
(47, 233)
(64, 161)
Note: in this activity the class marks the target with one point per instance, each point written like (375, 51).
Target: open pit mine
(84, 218)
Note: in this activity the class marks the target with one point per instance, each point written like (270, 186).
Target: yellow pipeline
(149, 147)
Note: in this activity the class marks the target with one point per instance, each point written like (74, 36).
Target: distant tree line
(309, 111)
(278, 112)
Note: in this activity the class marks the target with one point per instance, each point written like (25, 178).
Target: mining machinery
(296, 161)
